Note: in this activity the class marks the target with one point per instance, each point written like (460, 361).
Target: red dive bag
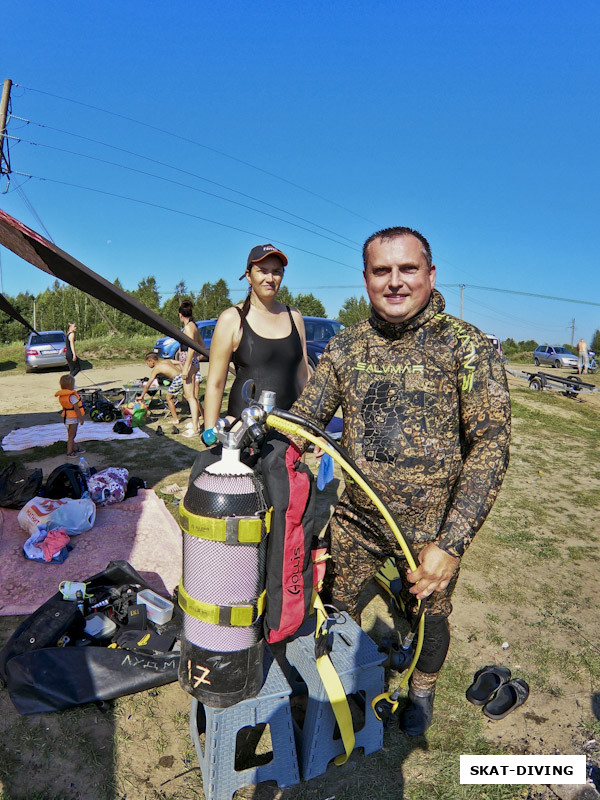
(290, 487)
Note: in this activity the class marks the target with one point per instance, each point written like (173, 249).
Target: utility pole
(572, 330)
(462, 292)
(4, 101)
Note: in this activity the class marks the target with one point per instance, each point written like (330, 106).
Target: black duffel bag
(18, 485)
(42, 677)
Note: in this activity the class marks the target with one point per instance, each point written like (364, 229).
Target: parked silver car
(554, 355)
(45, 349)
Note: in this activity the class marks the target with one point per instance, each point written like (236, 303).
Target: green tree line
(60, 304)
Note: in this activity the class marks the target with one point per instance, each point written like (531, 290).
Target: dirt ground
(536, 614)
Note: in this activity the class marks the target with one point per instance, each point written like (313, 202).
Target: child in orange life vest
(72, 412)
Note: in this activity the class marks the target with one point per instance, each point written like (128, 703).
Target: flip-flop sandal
(509, 696)
(486, 683)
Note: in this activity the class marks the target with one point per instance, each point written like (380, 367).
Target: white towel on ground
(44, 435)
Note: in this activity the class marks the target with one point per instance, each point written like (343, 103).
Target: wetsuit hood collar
(435, 305)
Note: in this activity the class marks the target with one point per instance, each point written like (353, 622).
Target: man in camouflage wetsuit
(427, 419)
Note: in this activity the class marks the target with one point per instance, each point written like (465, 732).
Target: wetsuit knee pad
(435, 644)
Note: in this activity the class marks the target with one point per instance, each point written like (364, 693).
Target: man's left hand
(436, 568)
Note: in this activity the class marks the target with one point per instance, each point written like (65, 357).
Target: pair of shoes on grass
(494, 688)
(76, 453)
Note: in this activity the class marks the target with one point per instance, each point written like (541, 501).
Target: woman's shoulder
(298, 319)
(231, 314)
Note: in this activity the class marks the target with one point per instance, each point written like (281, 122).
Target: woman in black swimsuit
(264, 338)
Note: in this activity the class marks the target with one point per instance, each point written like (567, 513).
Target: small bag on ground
(18, 485)
(66, 481)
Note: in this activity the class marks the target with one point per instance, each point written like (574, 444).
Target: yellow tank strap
(232, 530)
(240, 616)
(333, 686)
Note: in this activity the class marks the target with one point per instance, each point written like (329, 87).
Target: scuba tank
(224, 518)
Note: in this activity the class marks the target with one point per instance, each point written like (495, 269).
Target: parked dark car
(45, 349)
(554, 355)
(318, 332)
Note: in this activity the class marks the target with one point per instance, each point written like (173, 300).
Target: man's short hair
(393, 233)
(150, 357)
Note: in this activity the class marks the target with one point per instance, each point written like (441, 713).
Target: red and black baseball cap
(263, 251)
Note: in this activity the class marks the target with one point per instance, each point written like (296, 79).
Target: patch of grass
(472, 592)
(507, 595)
(581, 552)
(579, 424)
(549, 662)
(516, 537)
(587, 499)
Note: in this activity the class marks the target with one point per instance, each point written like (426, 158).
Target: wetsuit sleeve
(485, 435)
(321, 396)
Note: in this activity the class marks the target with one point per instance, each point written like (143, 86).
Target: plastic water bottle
(84, 467)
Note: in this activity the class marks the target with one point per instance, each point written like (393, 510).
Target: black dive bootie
(418, 714)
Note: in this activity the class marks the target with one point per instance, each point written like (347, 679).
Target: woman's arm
(190, 330)
(303, 373)
(221, 349)
(72, 341)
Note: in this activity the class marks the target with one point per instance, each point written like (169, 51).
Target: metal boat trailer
(570, 387)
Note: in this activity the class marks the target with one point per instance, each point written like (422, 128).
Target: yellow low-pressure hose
(296, 429)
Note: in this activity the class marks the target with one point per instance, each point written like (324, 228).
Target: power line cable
(199, 144)
(503, 316)
(179, 183)
(185, 172)
(185, 214)
(531, 294)
(20, 191)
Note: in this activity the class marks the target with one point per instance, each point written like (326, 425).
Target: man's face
(397, 279)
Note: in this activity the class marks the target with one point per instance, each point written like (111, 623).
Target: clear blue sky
(475, 122)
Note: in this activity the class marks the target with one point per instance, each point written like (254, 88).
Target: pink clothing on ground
(53, 543)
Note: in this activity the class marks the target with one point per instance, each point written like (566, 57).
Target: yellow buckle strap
(227, 616)
(333, 686)
(243, 530)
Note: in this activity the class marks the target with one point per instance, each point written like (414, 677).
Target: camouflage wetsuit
(427, 419)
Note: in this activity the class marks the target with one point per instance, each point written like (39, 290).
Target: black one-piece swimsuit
(271, 363)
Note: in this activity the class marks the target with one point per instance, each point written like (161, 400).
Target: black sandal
(508, 697)
(486, 683)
